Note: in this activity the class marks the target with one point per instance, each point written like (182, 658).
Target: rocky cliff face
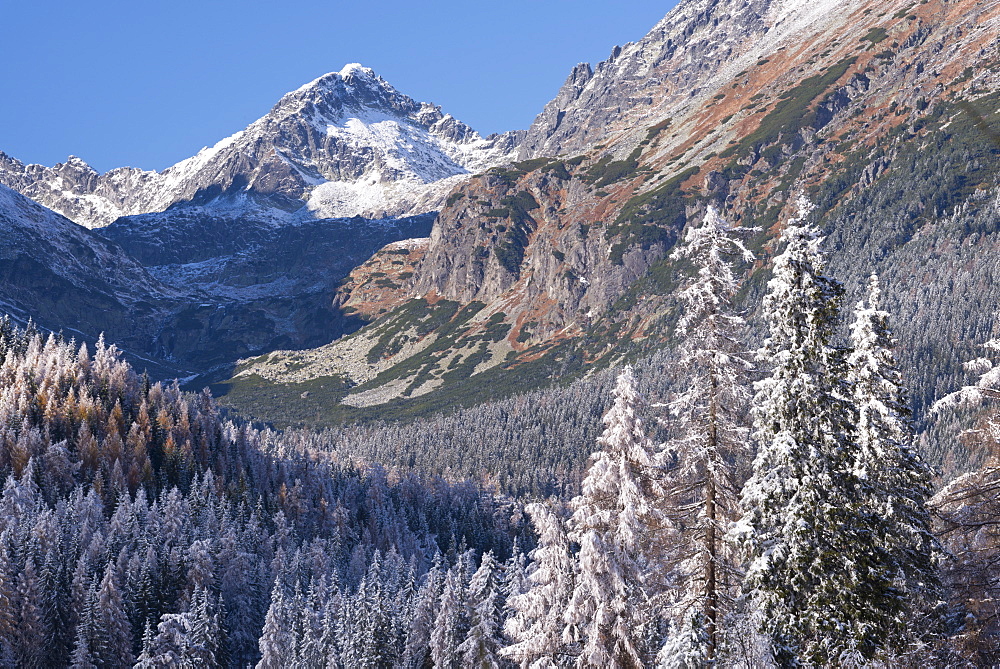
(382, 282)
(66, 278)
(825, 85)
(346, 144)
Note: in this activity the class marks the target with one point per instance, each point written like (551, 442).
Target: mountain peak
(351, 68)
(78, 162)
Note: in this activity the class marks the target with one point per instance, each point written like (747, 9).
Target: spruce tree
(451, 624)
(482, 644)
(711, 442)
(418, 641)
(536, 626)
(113, 645)
(31, 633)
(276, 641)
(8, 621)
(615, 522)
(893, 479)
(821, 580)
(206, 636)
(688, 645)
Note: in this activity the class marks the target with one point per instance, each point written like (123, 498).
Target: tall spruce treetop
(895, 481)
(712, 436)
(814, 568)
(615, 521)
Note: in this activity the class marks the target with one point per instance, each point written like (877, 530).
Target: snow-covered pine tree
(418, 641)
(616, 521)
(814, 568)
(688, 646)
(206, 637)
(145, 659)
(31, 631)
(452, 622)
(8, 622)
(895, 481)
(113, 645)
(482, 644)
(709, 420)
(277, 642)
(536, 626)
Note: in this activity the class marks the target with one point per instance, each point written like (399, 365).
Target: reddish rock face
(382, 282)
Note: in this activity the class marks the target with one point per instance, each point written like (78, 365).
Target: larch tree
(967, 512)
(616, 522)
(821, 581)
(709, 421)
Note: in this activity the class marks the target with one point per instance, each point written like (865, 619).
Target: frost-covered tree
(709, 420)
(822, 581)
(206, 636)
(418, 641)
(967, 514)
(30, 623)
(113, 645)
(451, 624)
(277, 642)
(892, 478)
(616, 523)
(8, 622)
(536, 627)
(687, 647)
(482, 644)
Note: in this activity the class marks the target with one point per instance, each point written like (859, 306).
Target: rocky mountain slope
(184, 315)
(67, 278)
(346, 144)
(884, 114)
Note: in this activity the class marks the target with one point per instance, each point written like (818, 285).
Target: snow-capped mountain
(345, 144)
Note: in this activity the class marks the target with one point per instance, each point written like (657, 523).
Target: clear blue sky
(147, 84)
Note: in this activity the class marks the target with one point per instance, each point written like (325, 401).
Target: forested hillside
(709, 378)
(137, 524)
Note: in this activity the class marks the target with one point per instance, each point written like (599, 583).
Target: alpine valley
(406, 331)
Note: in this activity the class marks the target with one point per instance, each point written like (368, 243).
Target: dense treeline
(823, 553)
(530, 446)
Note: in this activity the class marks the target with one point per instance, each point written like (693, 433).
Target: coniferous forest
(746, 508)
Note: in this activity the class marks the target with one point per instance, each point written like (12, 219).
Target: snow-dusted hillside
(674, 69)
(345, 144)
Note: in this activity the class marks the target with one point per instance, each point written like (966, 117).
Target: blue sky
(149, 83)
